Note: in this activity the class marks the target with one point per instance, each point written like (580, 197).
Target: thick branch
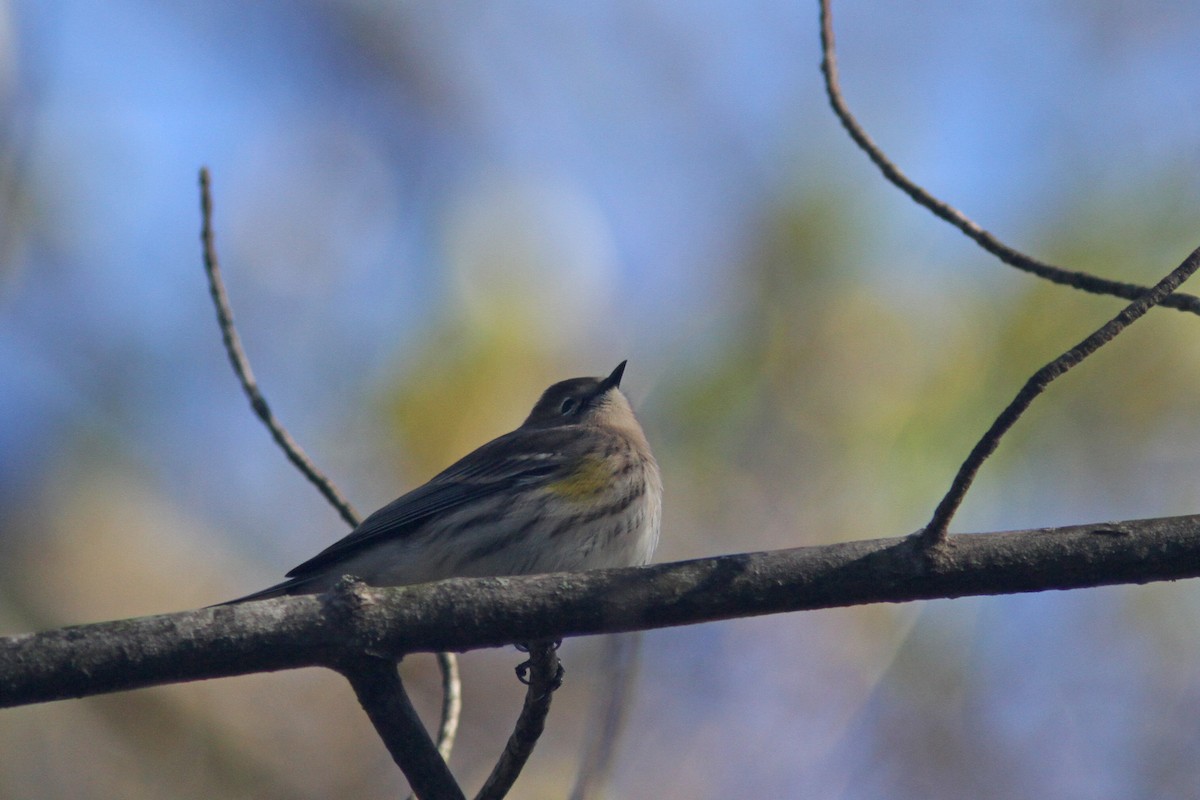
(382, 696)
(465, 614)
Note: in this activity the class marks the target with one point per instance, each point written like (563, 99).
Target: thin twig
(545, 675)
(610, 710)
(935, 532)
(947, 212)
(451, 703)
(377, 684)
(241, 365)
(447, 662)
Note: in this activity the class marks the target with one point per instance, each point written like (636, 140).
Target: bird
(575, 487)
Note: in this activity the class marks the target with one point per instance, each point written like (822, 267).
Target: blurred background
(427, 212)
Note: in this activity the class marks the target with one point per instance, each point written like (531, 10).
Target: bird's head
(583, 401)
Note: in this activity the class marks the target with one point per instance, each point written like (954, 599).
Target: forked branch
(935, 532)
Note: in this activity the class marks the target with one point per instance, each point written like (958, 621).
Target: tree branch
(545, 676)
(947, 212)
(381, 694)
(465, 614)
(241, 365)
(451, 703)
(451, 685)
(935, 531)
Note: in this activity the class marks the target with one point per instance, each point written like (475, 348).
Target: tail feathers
(292, 586)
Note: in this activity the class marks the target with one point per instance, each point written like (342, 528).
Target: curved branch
(465, 614)
(1014, 258)
(451, 703)
(241, 365)
(447, 662)
(935, 532)
(545, 676)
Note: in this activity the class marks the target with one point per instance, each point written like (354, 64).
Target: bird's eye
(568, 406)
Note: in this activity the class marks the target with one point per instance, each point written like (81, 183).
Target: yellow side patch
(589, 479)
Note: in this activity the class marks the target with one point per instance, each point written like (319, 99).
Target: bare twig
(241, 365)
(451, 703)
(377, 684)
(545, 676)
(610, 710)
(947, 212)
(935, 532)
(447, 662)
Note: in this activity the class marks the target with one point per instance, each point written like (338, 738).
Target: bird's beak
(613, 381)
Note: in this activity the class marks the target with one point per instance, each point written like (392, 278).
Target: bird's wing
(494, 468)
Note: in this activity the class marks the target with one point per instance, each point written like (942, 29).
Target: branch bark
(377, 684)
(935, 531)
(467, 614)
(545, 676)
(451, 685)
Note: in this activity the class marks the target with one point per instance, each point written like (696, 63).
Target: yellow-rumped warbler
(575, 487)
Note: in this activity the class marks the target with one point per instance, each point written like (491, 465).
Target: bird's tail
(290, 586)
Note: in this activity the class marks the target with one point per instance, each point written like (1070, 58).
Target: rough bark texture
(458, 615)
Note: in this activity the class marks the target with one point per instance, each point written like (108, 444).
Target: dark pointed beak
(613, 381)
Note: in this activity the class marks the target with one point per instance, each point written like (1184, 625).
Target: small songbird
(574, 488)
